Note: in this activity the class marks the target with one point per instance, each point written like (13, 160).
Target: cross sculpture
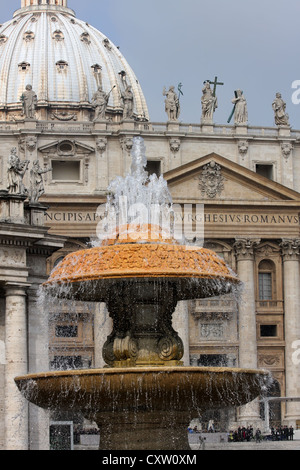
(215, 83)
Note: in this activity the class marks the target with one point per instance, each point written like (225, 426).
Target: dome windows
(29, 36)
(62, 66)
(24, 66)
(97, 69)
(85, 37)
(107, 44)
(58, 35)
(3, 38)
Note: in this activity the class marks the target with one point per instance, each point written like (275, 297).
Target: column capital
(244, 248)
(290, 249)
(16, 289)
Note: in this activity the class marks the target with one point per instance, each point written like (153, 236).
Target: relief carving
(243, 147)
(174, 145)
(101, 143)
(209, 316)
(211, 330)
(268, 360)
(64, 116)
(211, 180)
(286, 149)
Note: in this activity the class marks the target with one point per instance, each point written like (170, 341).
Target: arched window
(266, 280)
(57, 261)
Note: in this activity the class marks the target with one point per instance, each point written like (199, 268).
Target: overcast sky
(251, 45)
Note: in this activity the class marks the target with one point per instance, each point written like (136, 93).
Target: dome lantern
(28, 3)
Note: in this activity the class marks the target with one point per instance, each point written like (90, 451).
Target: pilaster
(244, 249)
(290, 255)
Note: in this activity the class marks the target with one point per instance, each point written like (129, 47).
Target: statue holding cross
(209, 100)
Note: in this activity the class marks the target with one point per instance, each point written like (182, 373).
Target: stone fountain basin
(88, 274)
(182, 389)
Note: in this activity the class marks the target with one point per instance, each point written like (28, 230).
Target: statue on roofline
(279, 107)
(36, 182)
(209, 103)
(172, 105)
(29, 102)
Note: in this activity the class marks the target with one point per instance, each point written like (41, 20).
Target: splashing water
(137, 199)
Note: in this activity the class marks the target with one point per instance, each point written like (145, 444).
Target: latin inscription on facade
(226, 218)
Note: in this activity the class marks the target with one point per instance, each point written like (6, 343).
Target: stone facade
(247, 217)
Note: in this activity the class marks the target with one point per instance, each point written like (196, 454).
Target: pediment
(214, 178)
(66, 147)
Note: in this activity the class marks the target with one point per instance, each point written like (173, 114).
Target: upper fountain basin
(143, 254)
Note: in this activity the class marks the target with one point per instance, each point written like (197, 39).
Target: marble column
(248, 414)
(291, 281)
(38, 361)
(16, 407)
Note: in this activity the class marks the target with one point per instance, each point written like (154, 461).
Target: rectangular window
(268, 331)
(61, 436)
(65, 170)
(265, 170)
(66, 331)
(213, 360)
(153, 167)
(66, 362)
(265, 286)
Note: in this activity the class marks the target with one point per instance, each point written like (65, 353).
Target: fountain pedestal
(142, 317)
(165, 430)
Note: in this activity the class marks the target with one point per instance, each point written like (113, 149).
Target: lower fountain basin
(142, 388)
(143, 408)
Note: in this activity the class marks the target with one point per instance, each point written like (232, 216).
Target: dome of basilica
(65, 60)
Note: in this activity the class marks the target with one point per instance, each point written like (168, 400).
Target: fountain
(145, 397)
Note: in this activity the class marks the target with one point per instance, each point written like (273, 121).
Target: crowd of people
(283, 433)
(242, 434)
(247, 434)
